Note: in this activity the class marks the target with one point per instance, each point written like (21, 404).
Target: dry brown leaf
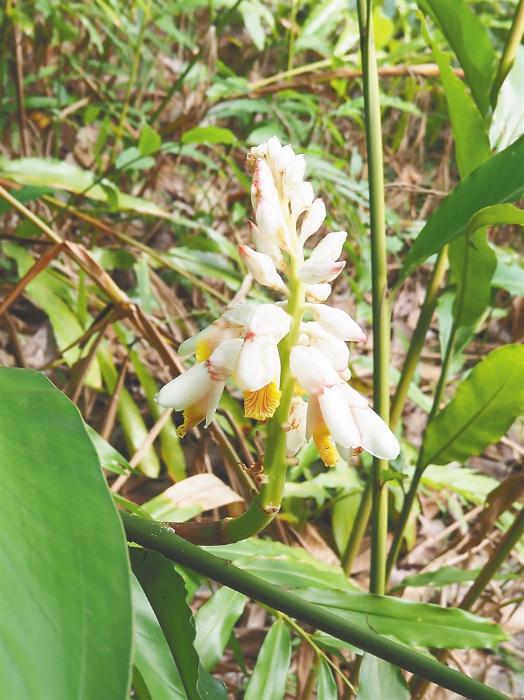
(204, 490)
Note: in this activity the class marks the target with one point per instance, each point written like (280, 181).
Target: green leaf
(500, 179)
(209, 134)
(496, 215)
(470, 41)
(484, 406)
(109, 458)
(64, 590)
(166, 592)
(151, 654)
(445, 576)
(149, 141)
(214, 623)
(469, 128)
(380, 680)
(418, 624)
(326, 684)
(463, 481)
(269, 676)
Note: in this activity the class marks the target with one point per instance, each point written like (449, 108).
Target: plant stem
(419, 335)
(420, 466)
(359, 528)
(510, 49)
(499, 555)
(381, 302)
(154, 535)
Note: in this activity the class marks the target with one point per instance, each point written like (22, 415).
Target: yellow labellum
(193, 415)
(203, 350)
(325, 445)
(262, 404)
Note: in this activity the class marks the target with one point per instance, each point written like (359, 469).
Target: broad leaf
(64, 590)
(326, 684)
(446, 576)
(156, 676)
(269, 676)
(418, 624)
(470, 41)
(166, 592)
(214, 623)
(209, 134)
(380, 680)
(484, 406)
(500, 179)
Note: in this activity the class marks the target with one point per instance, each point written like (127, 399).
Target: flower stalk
(381, 301)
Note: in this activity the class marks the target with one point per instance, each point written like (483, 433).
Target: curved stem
(510, 49)
(153, 535)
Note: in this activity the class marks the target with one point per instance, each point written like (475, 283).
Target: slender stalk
(154, 535)
(419, 336)
(420, 466)
(510, 49)
(381, 302)
(359, 528)
(497, 558)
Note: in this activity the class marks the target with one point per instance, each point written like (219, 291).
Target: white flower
(313, 220)
(322, 266)
(318, 292)
(336, 412)
(198, 390)
(266, 205)
(330, 247)
(262, 268)
(203, 343)
(295, 428)
(338, 323)
(335, 349)
(301, 198)
(265, 245)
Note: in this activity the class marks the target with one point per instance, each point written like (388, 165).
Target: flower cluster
(243, 344)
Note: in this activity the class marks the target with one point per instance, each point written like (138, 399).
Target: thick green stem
(419, 336)
(510, 49)
(381, 302)
(156, 536)
(497, 558)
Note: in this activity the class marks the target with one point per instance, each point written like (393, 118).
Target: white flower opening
(242, 345)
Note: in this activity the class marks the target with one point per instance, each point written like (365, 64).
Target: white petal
(353, 397)
(294, 171)
(318, 292)
(262, 268)
(213, 400)
(263, 183)
(318, 271)
(312, 369)
(336, 350)
(266, 245)
(270, 319)
(189, 345)
(330, 247)
(338, 417)
(338, 322)
(301, 198)
(270, 222)
(186, 389)
(224, 359)
(258, 363)
(240, 314)
(375, 436)
(296, 426)
(313, 219)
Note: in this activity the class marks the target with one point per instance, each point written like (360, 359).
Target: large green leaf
(470, 41)
(166, 592)
(484, 406)
(214, 623)
(419, 624)
(156, 676)
(269, 676)
(64, 589)
(326, 684)
(500, 179)
(381, 681)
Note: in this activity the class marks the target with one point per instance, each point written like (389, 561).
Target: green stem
(497, 558)
(381, 302)
(419, 336)
(358, 530)
(510, 49)
(411, 495)
(154, 535)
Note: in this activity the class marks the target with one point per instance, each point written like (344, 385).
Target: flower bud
(262, 268)
(313, 219)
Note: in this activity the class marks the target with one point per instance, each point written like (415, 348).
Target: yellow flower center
(325, 445)
(193, 415)
(203, 350)
(262, 403)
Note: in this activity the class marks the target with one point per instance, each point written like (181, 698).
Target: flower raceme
(293, 348)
